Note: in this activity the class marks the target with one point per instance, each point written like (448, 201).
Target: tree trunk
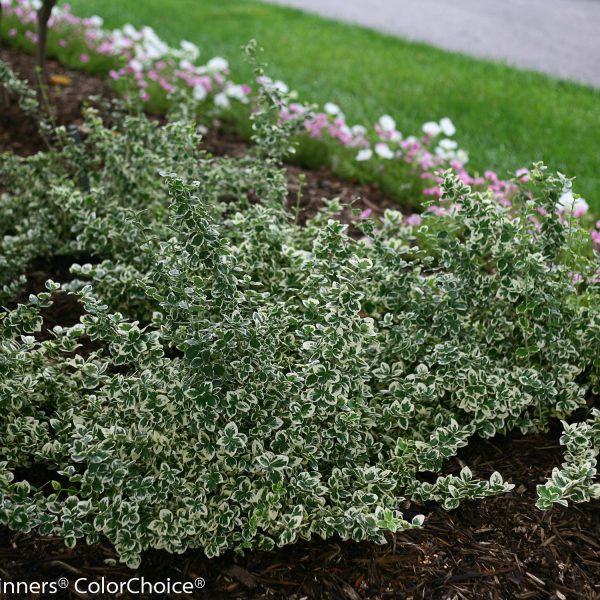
(43, 15)
(3, 92)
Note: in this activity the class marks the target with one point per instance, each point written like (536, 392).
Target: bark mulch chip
(498, 548)
(66, 96)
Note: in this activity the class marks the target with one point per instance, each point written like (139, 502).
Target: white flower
(395, 136)
(200, 93)
(567, 204)
(119, 41)
(566, 200)
(264, 80)
(185, 64)
(383, 150)
(281, 86)
(96, 21)
(447, 144)
(129, 30)
(236, 92)
(344, 129)
(359, 130)
(332, 109)
(270, 85)
(150, 35)
(136, 64)
(217, 64)
(462, 156)
(387, 123)
(432, 129)
(364, 154)
(156, 49)
(447, 126)
(191, 50)
(140, 54)
(222, 101)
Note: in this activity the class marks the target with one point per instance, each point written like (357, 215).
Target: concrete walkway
(559, 37)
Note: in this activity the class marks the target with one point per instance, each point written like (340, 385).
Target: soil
(66, 96)
(499, 548)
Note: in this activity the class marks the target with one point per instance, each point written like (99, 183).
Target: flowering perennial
(143, 57)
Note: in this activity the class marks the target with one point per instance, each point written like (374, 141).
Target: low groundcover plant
(238, 380)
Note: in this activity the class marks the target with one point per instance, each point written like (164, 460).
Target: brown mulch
(499, 548)
(66, 97)
(496, 548)
(314, 185)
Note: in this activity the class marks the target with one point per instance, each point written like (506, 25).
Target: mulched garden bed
(19, 134)
(498, 548)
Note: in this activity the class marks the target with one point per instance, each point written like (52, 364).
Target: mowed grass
(506, 118)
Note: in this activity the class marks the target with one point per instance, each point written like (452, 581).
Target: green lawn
(505, 117)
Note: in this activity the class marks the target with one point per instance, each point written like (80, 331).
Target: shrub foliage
(238, 380)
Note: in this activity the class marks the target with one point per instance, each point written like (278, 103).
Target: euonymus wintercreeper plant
(240, 381)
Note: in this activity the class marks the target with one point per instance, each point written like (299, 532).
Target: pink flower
(12, 32)
(105, 48)
(503, 201)
(165, 85)
(284, 116)
(365, 214)
(62, 43)
(579, 210)
(492, 176)
(437, 210)
(536, 222)
(427, 161)
(204, 81)
(414, 219)
(576, 278)
(84, 58)
(316, 125)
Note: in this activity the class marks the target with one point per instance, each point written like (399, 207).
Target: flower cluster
(427, 156)
(139, 54)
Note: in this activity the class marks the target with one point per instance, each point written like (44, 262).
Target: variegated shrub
(240, 381)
